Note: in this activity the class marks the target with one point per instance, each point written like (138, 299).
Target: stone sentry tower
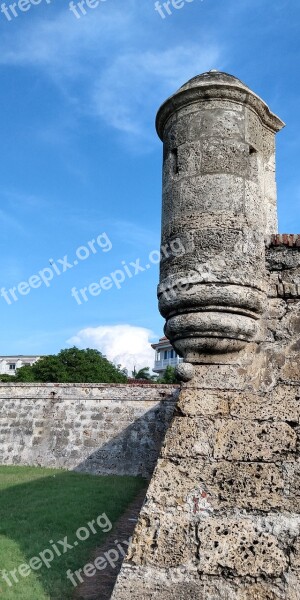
(219, 199)
(221, 517)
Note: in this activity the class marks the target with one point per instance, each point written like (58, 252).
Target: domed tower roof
(216, 85)
(214, 77)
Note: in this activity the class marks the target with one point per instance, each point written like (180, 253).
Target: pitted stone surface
(156, 531)
(209, 404)
(245, 440)
(223, 485)
(198, 442)
(239, 546)
(174, 584)
(280, 404)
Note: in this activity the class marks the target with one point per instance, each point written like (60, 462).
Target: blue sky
(80, 155)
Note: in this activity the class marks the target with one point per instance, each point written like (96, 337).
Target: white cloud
(105, 68)
(126, 345)
(130, 88)
(61, 44)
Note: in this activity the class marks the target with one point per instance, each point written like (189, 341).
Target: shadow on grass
(39, 508)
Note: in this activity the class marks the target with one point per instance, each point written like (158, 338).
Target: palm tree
(143, 373)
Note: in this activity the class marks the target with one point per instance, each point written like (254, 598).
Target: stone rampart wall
(99, 428)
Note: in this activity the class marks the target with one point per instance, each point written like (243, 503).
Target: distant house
(9, 364)
(165, 356)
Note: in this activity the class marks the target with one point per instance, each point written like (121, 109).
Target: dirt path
(100, 586)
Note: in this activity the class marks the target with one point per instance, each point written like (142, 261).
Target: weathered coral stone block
(239, 547)
(189, 437)
(203, 403)
(248, 440)
(219, 123)
(281, 404)
(225, 157)
(137, 584)
(155, 532)
(209, 193)
(222, 484)
(257, 486)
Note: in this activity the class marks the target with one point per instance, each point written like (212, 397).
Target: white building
(165, 356)
(9, 364)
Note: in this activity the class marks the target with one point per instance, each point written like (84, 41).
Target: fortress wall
(221, 518)
(106, 429)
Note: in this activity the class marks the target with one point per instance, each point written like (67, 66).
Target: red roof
(161, 340)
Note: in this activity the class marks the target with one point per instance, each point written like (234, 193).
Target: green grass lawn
(42, 505)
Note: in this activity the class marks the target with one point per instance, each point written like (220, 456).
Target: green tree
(72, 366)
(7, 378)
(143, 373)
(169, 376)
(24, 374)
